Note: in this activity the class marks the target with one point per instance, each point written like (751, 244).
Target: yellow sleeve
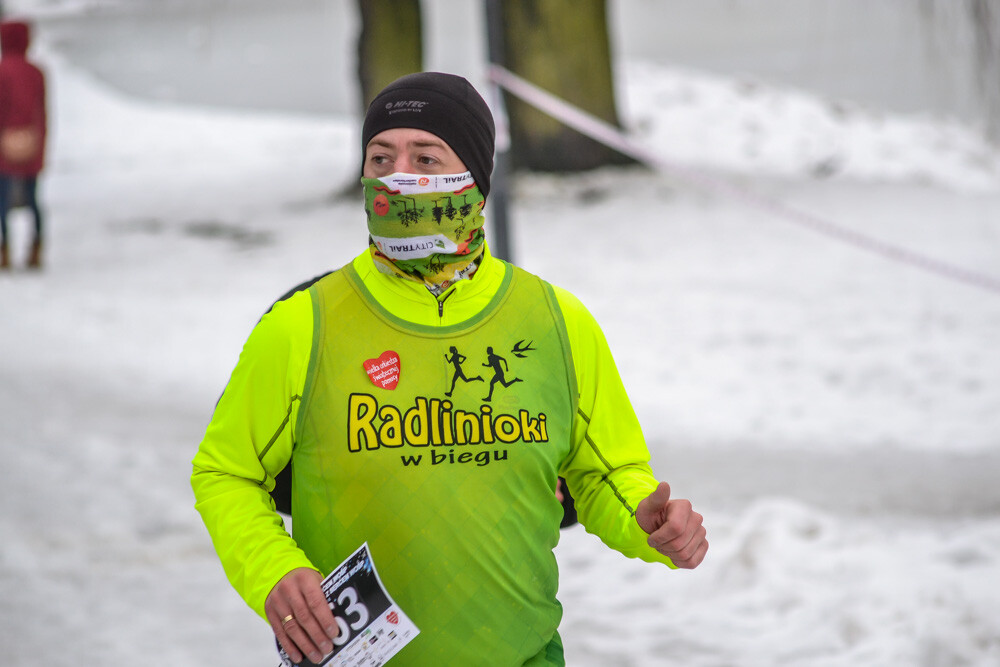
(248, 441)
(607, 470)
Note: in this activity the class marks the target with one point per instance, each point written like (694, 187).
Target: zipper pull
(441, 303)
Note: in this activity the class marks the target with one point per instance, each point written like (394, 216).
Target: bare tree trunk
(390, 44)
(985, 17)
(982, 18)
(562, 46)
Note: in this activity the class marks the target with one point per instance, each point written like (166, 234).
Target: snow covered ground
(834, 412)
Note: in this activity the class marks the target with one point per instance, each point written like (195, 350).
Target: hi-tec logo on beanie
(447, 106)
(406, 105)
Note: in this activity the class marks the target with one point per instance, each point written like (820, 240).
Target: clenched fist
(674, 528)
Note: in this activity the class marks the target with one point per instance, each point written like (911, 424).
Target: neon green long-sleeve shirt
(253, 431)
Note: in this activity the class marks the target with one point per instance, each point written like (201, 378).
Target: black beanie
(445, 105)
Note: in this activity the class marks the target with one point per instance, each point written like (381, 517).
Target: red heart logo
(384, 371)
(392, 617)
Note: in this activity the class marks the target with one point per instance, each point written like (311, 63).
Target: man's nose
(403, 165)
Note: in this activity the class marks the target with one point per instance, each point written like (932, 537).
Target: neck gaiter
(426, 228)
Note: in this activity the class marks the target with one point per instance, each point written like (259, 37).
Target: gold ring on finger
(286, 619)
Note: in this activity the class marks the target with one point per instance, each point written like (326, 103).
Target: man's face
(409, 151)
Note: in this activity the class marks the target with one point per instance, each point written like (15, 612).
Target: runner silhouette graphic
(499, 366)
(456, 360)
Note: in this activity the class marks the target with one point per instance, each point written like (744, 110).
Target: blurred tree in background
(562, 46)
(390, 44)
(975, 24)
(985, 16)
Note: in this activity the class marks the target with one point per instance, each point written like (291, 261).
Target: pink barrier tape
(609, 135)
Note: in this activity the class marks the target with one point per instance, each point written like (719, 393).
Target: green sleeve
(607, 469)
(248, 441)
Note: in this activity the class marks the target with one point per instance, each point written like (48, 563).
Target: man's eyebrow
(379, 142)
(420, 143)
(425, 143)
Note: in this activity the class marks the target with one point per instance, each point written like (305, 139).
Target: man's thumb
(651, 512)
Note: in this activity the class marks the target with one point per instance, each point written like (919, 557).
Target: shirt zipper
(441, 304)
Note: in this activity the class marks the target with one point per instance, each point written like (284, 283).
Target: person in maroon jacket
(23, 125)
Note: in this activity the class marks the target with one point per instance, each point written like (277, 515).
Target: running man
(494, 361)
(455, 497)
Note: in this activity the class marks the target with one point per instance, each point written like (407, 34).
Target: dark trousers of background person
(19, 192)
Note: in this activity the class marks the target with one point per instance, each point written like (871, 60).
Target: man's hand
(300, 615)
(674, 529)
